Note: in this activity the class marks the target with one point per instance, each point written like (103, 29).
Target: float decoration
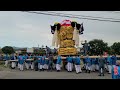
(66, 36)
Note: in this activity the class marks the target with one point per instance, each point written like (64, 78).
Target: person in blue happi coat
(46, 64)
(13, 64)
(69, 63)
(116, 70)
(88, 63)
(77, 64)
(27, 63)
(114, 59)
(101, 62)
(21, 60)
(31, 62)
(35, 62)
(84, 64)
(93, 64)
(43, 62)
(50, 65)
(96, 65)
(109, 64)
(106, 64)
(6, 58)
(39, 62)
(58, 63)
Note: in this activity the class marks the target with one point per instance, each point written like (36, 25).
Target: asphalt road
(29, 74)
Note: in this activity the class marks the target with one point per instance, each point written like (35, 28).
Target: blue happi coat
(114, 59)
(93, 61)
(59, 60)
(88, 61)
(77, 60)
(43, 60)
(21, 59)
(6, 57)
(39, 59)
(96, 61)
(46, 61)
(12, 57)
(109, 60)
(69, 59)
(116, 72)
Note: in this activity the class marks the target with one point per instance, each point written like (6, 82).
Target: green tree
(1, 52)
(116, 48)
(98, 46)
(8, 50)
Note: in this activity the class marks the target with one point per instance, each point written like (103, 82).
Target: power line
(81, 15)
(111, 12)
(116, 11)
(71, 16)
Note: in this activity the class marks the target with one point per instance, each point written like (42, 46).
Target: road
(29, 74)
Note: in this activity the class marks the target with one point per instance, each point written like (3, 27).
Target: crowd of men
(41, 63)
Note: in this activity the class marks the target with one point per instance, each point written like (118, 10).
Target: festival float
(66, 36)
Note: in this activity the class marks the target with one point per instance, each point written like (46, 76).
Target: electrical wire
(71, 16)
(81, 15)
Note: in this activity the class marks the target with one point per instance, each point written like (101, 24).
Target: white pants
(109, 68)
(93, 67)
(18, 65)
(101, 70)
(32, 65)
(88, 67)
(45, 66)
(13, 65)
(96, 67)
(27, 65)
(69, 66)
(58, 67)
(66, 66)
(54, 65)
(78, 68)
(40, 66)
(106, 67)
(6, 63)
(21, 67)
(72, 66)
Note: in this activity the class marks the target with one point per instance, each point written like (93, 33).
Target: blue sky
(23, 29)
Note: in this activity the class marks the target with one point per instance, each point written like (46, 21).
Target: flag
(82, 28)
(52, 29)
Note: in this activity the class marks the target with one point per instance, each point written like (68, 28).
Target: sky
(22, 29)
